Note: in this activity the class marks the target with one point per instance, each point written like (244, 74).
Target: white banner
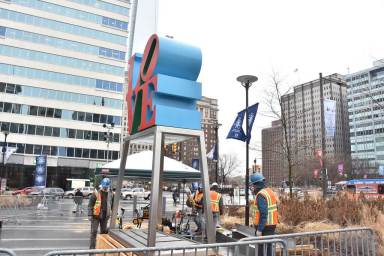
(8, 153)
(330, 117)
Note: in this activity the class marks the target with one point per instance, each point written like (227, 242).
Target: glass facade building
(61, 78)
(366, 119)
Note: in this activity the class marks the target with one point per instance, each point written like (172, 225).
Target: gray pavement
(36, 232)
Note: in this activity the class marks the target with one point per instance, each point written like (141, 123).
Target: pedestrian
(78, 199)
(99, 210)
(174, 197)
(231, 195)
(216, 204)
(263, 209)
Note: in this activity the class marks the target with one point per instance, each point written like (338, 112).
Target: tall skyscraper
(303, 114)
(274, 160)
(365, 91)
(61, 78)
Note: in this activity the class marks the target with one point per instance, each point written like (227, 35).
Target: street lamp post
(246, 81)
(108, 136)
(217, 152)
(3, 150)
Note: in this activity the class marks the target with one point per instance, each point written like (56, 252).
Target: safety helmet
(105, 183)
(200, 186)
(214, 184)
(256, 178)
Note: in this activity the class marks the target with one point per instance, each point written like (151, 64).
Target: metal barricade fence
(340, 242)
(6, 252)
(272, 247)
(13, 207)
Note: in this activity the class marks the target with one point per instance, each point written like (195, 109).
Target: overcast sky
(256, 37)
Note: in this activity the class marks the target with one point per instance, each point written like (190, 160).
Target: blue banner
(252, 111)
(381, 170)
(195, 164)
(237, 131)
(41, 171)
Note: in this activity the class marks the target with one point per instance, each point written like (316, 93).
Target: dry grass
(12, 201)
(315, 214)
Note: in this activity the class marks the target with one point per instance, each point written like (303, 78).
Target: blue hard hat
(256, 178)
(105, 183)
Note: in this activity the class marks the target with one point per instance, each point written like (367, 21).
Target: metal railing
(5, 252)
(340, 242)
(245, 248)
(14, 206)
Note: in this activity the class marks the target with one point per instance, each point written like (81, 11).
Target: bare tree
(229, 164)
(279, 110)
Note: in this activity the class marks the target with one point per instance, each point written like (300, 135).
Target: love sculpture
(162, 87)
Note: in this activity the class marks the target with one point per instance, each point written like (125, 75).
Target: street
(35, 232)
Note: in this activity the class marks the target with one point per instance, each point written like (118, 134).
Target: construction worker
(99, 210)
(197, 203)
(217, 203)
(263, 209)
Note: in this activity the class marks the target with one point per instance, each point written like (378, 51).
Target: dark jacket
(109, 204)
(78, 199)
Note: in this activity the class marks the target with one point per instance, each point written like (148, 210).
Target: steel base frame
(159, 134)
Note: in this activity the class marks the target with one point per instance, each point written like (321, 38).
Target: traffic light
(174, 148)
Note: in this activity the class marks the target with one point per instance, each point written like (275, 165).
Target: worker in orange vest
(263, 209)
(99, 210)
(217, 204)
(197, 204)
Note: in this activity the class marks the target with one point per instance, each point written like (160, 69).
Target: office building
(188, 151)
(365, 90)
(274, 160)
(61, 78)
(303, 114)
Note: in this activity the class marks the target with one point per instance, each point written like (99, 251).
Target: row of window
(64, 151)
(39, 74)
(49, 131)
(104, 6)
(29, 91)
(22, 109)
(60, 60)
(61, 43)
(367, 132)
(73, 13)
(61, 26)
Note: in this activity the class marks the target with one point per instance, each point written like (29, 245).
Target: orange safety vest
(197, 200)
(97, 206)
(215, 200)
(271, 198)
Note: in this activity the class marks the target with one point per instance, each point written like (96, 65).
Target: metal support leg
(211, 230)
(156, 166)
(116, 200)
(159, 190)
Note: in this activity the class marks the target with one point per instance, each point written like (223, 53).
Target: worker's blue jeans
(267, 231)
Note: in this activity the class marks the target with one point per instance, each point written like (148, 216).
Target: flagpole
(246, 81)
(4, 149)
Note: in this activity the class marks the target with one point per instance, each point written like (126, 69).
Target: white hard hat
(214, 184)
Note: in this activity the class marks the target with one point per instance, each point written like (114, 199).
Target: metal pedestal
(160, 136)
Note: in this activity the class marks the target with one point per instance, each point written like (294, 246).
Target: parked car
(139, 192)
(124, 191)
(26, 191)
(51, 192)
(87, 192)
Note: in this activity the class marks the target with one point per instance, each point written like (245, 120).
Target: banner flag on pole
(330, 117)
(252, 111)
(236, 132)
(213, 153)
(8, 153)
